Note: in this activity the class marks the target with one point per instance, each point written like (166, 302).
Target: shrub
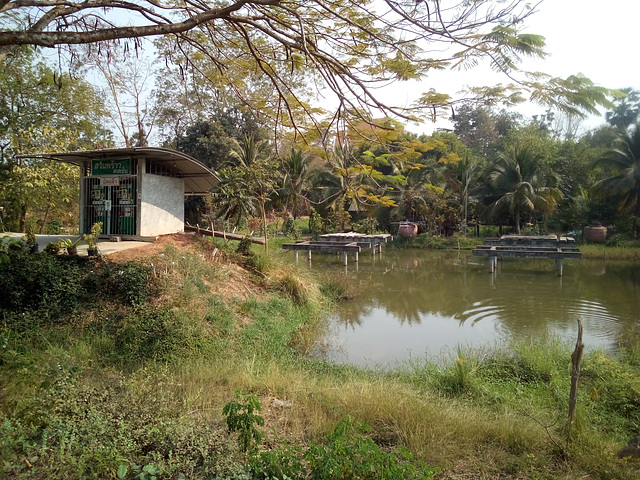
(244, 246)
(316, 224)
(368, 226)
(130, 281)
(348, 453)
(54, 227)
(291, 229)
(40, 287)
(241, 418)
(149, 334)
(74, 429)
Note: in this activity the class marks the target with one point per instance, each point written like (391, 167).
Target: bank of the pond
(619, 250)
(629, 252)
(117, 370)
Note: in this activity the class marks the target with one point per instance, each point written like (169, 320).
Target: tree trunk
(264, 223)
(46, 216)
(23, 217)
(518, 223)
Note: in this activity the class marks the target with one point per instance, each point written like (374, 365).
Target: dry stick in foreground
(576, 360)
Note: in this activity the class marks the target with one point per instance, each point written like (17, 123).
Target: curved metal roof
(198, 179)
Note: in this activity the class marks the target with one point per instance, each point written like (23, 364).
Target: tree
(481, 128)
(626, 111)
(297, 176)
(345, 47)
(247, 182)
(624, 184)
(126, 81)
(42, 112)
(518, 186)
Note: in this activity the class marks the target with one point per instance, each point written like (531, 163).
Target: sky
(596, 38)
(592, 37)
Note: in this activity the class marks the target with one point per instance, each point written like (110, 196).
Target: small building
(136, 193)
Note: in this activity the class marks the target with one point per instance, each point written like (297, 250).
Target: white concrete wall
(162, 205)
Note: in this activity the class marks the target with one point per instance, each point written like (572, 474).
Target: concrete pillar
(344, 258)
(309, 255)
(492, 264)
(559, 267)
(356, 256)
(296, 252)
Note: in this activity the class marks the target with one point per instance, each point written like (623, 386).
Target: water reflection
(411, 303)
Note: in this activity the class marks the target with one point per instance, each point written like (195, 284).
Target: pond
(414, 303)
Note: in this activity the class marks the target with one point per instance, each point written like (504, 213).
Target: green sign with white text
(112, 166)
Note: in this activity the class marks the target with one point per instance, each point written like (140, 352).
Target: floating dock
(524, 246)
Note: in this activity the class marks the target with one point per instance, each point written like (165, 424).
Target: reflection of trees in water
(524, 297)
(408, 288)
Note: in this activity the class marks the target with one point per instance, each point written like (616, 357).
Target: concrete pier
(544, 246)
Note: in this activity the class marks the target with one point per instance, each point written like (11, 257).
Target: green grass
(121, 385)
(631, 251)
(425, 240)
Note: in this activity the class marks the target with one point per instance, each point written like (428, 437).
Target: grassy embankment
(107, 369)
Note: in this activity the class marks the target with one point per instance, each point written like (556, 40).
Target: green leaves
(242, 419)
(573, 95)
(346, 454)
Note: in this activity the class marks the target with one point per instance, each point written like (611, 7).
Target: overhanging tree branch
(351, 46)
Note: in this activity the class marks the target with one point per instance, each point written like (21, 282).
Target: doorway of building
(112, 201)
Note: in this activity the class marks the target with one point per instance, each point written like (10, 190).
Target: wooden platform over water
(376, 239)
(524, 246)
(340, 242)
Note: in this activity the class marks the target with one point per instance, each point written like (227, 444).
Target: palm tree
(410, 195)
(232, 197)
(624, 185)
(459, 177)
(340, 184)
(247, 151)
(518, 185)
(297, 173)
(247, 182)
(627, 109)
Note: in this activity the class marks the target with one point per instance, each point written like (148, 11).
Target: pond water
(415, 303)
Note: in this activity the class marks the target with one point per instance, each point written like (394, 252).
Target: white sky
(594, 37)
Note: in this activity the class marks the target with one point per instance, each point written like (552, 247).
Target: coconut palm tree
(626, 111)
(340, 184)
(623, 185)
(246, 184)
(248, 151)
(297, 174)
(518, 185)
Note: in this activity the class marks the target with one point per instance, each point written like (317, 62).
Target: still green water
(412, 303)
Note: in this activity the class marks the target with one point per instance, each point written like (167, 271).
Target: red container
(408, 230)
(595, 233)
